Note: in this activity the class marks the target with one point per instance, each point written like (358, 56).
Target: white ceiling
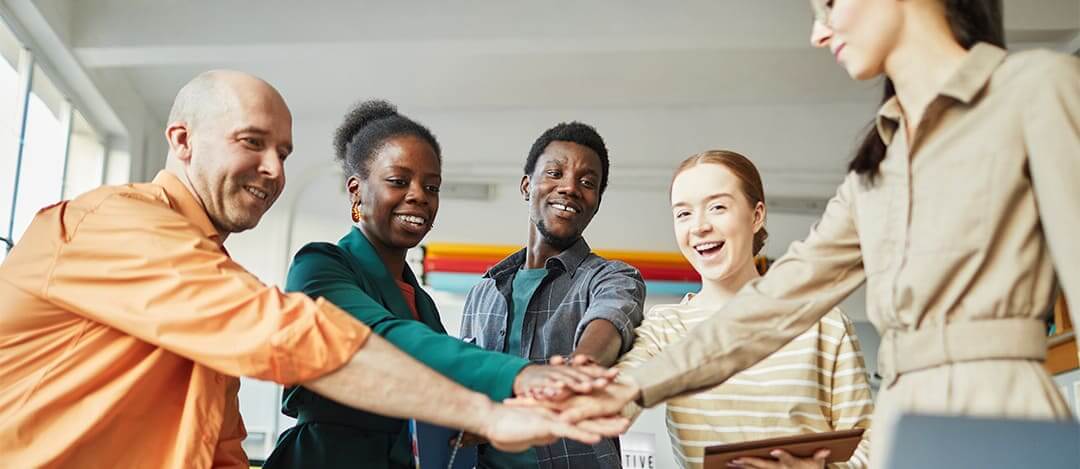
(485, 54)
(122, 61)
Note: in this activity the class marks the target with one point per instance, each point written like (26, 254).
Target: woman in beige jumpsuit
(961, 223)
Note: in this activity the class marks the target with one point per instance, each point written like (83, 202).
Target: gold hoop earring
(356, 214)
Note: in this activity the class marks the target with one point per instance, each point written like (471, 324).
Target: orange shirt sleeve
(133, 264)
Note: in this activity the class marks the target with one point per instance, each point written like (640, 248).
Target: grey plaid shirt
(580, 287)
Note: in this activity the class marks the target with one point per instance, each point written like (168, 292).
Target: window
(48, 119)
(49, 150)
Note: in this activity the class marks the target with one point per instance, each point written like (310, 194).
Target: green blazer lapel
(383, 287)
(372, 268)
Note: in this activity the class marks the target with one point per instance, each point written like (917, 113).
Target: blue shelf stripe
(451, 281)
(670, 288)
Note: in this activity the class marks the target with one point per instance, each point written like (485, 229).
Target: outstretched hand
(559, 381)
(519, 427)
(606, 402)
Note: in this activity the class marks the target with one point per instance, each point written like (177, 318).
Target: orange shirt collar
(184, 202)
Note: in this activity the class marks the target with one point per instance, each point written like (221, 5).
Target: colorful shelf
(456, 267)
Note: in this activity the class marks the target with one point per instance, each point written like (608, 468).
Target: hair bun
(360, 116)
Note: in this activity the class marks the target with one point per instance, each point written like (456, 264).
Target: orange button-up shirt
(123, 327)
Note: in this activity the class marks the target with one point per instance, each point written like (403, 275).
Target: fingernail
(775, 453)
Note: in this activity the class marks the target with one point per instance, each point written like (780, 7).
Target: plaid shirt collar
(568, 261)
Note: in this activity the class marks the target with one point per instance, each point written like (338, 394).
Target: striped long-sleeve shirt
(816, 383)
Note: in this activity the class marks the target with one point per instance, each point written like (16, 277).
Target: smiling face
(235, 156)
(714, 220)
(860, 34)
(399, 198)
(563, 192)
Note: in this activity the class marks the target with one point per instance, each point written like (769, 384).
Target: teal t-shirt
(526, 281)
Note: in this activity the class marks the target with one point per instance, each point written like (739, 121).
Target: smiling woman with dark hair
(959, 215)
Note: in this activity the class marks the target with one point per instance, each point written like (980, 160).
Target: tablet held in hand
(841, 446)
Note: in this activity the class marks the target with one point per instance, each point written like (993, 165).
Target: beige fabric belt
(905, 351)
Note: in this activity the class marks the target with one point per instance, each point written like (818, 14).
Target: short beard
(560, 243)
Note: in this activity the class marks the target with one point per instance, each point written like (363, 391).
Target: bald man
(124, 324)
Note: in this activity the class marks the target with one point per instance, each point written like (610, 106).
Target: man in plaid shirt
(555, 297)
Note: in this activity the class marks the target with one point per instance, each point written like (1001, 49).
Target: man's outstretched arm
(381, 379)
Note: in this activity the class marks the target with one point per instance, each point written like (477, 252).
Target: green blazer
(352, 276)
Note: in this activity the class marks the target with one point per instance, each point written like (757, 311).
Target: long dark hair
(971, 22)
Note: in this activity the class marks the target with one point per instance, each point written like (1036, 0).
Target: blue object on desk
(431, 444)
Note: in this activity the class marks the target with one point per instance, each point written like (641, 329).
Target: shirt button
(502, 333)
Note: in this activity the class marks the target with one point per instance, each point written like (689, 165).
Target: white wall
(145, 136)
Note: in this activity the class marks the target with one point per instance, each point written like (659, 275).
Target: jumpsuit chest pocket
(951, 200)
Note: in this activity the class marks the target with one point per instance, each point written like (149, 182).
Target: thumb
(785, 458)
(822, 454)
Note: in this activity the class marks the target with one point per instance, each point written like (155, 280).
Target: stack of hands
(580, 400)
(575, 399)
